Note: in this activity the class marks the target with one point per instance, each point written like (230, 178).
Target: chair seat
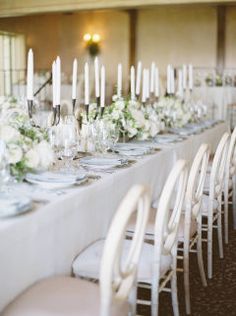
(151, 224)
(61, 296)
(205, 205)
(87, 264)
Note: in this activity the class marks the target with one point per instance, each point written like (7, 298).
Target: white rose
(115, 115)
(32, 159)
(8, 133)
(15, 153)
(138, 117)
(45, 154)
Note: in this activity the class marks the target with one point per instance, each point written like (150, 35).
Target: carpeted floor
(218, 298)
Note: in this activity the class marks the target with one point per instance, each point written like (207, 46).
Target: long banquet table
(45, 241)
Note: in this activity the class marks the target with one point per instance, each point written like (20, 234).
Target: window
(12, 62)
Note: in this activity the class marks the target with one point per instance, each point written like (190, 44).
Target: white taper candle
(184, 77)
(54, 83)
(157, 84)
(152, 84)
(30, 75)
(138, 78)
(132, 83)
(96, 69)
(103, 87)
(86, 84)
(190, 77)
(74, 79)
(58, 81)
(180, 83)
(144, 87)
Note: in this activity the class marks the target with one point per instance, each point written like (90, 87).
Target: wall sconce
(92, 43)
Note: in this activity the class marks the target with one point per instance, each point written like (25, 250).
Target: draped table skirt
(45, 241)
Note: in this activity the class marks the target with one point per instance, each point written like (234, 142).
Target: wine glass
(114, 134)
(69, 141)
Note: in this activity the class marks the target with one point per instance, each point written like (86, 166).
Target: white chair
(190, 232)
(155, 262)
(68, 296)
(230, 184)
(190, 226)
(212, 202)
(158, 264)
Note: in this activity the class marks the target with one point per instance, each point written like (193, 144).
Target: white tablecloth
(44, 242)
(216, 99)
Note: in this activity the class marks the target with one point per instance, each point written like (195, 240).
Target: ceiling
(26, 7)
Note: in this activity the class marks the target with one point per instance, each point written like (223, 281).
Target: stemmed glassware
(69, 141)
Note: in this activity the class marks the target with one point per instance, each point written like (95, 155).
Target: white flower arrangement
(172, 111)
(133, 119)
(27, 146)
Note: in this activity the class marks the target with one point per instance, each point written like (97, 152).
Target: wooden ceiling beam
(27, 7)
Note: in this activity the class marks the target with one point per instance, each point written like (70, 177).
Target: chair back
(219, 167)
(231, 157)
(118, 276)
(167, 220)
(196, 180)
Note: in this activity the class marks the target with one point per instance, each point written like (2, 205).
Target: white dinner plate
(167, 138)
(55, 180)
(13, 205)
(103, 162)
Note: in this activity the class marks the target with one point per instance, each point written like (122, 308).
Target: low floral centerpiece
(27, 146)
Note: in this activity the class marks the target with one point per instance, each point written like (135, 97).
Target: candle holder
(98, 105)
(87, 111)
(58, 112)
(30, 104)
(56, 115)
(54, 110)
(102, 111)
(73, 105)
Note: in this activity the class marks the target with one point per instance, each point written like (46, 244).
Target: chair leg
(155, 291)
(199, 253)
(174, 295)
(234, 200)
(186, 282)
(209, 249)
(219, 231)
(226, 215)
(133, 300)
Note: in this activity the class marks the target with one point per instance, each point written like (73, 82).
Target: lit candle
(86, 84)
(58, 81)
(96, 69)
(152, 84)
(168, 87)
(54, 84)
(180, 83)
(138, 78)
(103, 84)
(184, 77)
(119, 81)
(157, 90)
(74, 79)
(30, 75)
(144, 90)
(132, 82)
(190, 77)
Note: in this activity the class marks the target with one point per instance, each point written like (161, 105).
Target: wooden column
(220, 38)
(132, 36)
